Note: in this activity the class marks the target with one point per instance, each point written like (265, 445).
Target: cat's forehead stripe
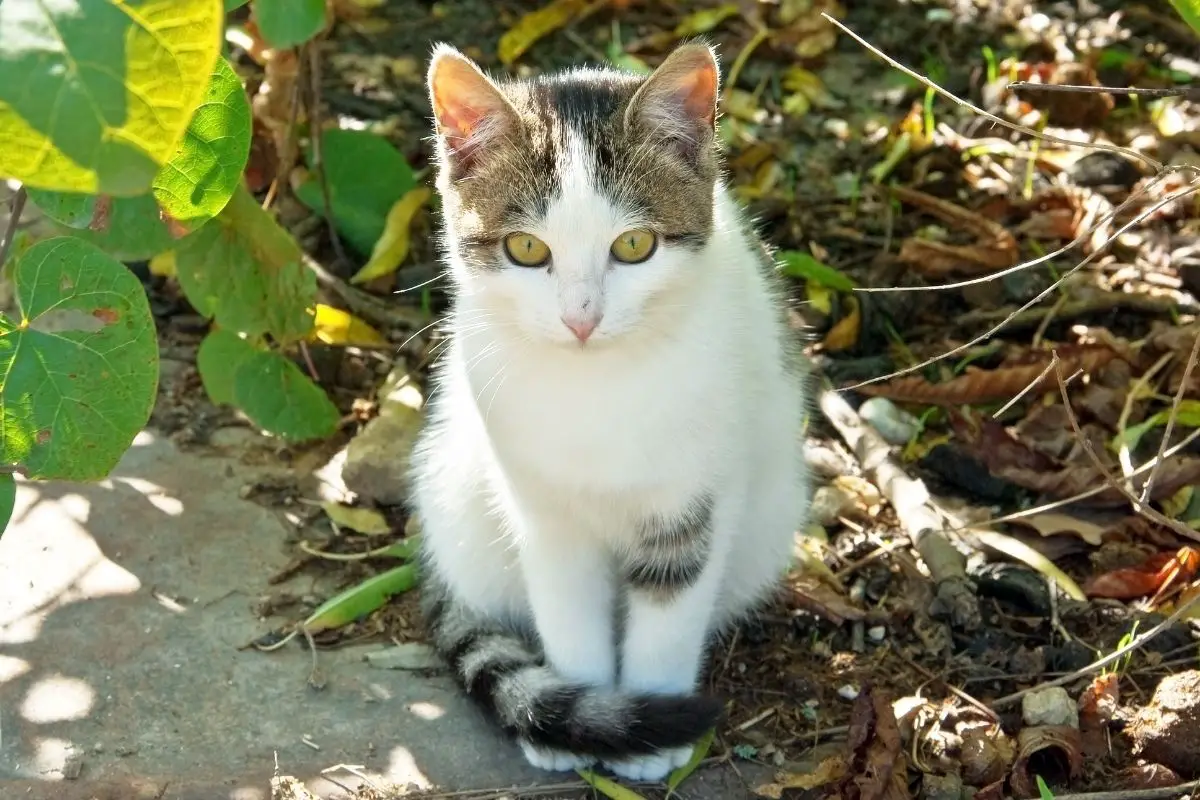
(523, 174)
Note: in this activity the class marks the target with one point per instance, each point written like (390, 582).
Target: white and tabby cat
(611, 468)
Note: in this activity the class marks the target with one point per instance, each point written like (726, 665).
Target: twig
(14, 217)
(1100, 663)
(373, 309)
(1131, 397)
(1189, 92)
(289, 143)
(1139, 506)
(760, 36)
(954, 690)
(314, 115)
(1028, 387)
(1112, 148)
(1084, 235)
(921, 519)
(1159, 793)
(1176, 404)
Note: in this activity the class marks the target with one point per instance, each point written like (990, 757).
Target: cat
(610, 472)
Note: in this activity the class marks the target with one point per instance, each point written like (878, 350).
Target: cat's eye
(634, 245)
(526, 249)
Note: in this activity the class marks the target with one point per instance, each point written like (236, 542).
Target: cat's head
(574, 202)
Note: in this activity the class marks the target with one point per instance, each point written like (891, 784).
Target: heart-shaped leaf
(95, 95)
(79, 369)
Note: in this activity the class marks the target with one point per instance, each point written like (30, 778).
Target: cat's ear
(469, 109)
(678, 102)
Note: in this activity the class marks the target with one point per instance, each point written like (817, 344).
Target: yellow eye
(526, 249)
(634, 245)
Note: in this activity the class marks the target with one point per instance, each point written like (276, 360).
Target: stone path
(122, 605)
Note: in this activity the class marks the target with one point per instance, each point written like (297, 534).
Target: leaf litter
(861, 179)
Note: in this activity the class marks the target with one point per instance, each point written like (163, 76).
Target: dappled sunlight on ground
(56, 698)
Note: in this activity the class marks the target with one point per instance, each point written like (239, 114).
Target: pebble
(877, 633)
(848, 691)
(410, 656)
(1049, 707)
(895, 425)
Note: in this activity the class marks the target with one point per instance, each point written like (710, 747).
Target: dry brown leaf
(844, 334)
(1051, 524)
(534, 25)
(829, 770)
(984, 385)
(995, 247)
(878, 768)
(809, 591)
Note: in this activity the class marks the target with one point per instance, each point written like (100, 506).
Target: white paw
(554, 760)
(654, 767)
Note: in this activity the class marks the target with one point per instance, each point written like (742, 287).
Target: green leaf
(201, 177)
(608, 788)
(366, 176)
(246, 272)
(127, 228)
(8, 499)
(287, 23)
(698, 753)
(95, 95)
(1044, 792)
(1190, 11)
(1187, 416)
(234, 5)
(79, 369)
(359, 601)
(191, 189)
(797, 264)
(281, 399)
(220, 356)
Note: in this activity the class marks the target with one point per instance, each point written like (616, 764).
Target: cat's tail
(499, 670)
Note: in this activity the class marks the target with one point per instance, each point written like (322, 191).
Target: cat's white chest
(599, 428)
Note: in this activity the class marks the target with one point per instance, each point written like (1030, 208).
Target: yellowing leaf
(534, 26)
(805, 90)
(609, 788)
(827, 771)
(337, 327)
(844, 334)
(705, 20)
(364, 520)
(742, 105)
(163, 264)
(820, 296)
(392, 247)
(1023, 552)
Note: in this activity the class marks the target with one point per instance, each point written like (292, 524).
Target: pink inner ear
(697, 92)
(465, 103)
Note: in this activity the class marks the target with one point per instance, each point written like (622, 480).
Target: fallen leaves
(995, 248)
(977, 385)
(392, 247)
(537, 24)
(1153, 576)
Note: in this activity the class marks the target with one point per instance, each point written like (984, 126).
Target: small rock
(410, 656)
(941, 787)
(893, 424)
(829, 503)
(1052, 706)
(848, 691)
(377, 459)
(1167, 729)
(877, 633)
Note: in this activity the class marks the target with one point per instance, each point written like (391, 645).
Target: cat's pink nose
(581, 326)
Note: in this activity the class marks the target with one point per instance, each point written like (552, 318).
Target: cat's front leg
(673, 573)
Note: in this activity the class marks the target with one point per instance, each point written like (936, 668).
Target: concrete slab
(122, 605)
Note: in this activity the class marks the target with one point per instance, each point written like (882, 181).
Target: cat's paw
(554, 760)
(653, 767)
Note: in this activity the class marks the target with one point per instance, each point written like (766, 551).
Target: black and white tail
(500, 671)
